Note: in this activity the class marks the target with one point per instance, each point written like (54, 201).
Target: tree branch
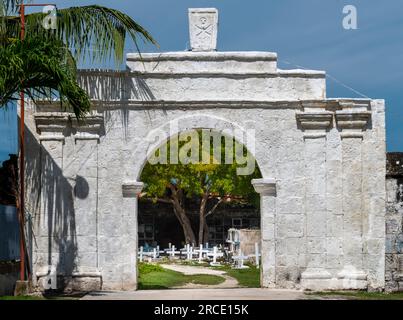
(215, 207)
(162, 200)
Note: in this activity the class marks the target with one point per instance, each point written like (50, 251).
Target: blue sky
(307, 33)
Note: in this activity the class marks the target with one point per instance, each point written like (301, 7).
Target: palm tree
(43, 65)
(101, 29)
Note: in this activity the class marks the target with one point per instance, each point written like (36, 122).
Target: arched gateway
(322, 161)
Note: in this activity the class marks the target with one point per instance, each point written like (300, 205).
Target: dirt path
(229, 282)
(200, 294)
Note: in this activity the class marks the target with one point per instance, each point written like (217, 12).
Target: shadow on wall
(113, 86)
(50, 205)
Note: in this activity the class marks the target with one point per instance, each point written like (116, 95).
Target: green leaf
(89, 31)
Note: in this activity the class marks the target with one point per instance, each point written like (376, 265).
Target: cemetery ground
(167, 276)
(223, 294)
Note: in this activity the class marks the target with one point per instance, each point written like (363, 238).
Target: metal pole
(21, 216)
(22, 157)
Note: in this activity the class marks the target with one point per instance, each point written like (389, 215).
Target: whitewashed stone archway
(322, 161)
(266, 187)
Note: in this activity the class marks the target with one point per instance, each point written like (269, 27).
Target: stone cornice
(296, 73)
(193, 104)
(53, 125)
(352, 120)
(203, 56)
(266, 187)
(51, 122)
(315, 120)
(89, 128)
(315, 106)
(234, 75)
(132, 189)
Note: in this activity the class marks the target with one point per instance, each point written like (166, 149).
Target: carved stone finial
(203, 25)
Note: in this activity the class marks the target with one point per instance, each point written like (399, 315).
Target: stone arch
(266, 186)
(185, 123)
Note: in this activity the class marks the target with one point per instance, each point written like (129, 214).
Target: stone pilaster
(315, 126)
(130, 193)
(86, 268)
(48, 255)
(267, 190)
(119, 240)
(352, 125)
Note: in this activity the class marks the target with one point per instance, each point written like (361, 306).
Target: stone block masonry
(394, 223)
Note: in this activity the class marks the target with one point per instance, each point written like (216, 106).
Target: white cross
(141, 254)
(172, 252)
(257, 255)
(240, 260)
(169, 248)
(215, 254)
(200, 252)
(189, 251)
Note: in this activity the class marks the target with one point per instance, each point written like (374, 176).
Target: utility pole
(21, 216)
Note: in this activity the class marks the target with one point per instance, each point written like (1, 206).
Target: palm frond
(42, 68)
(101, 30)
(10, 6)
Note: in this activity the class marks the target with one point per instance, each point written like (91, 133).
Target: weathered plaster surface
(394, 223)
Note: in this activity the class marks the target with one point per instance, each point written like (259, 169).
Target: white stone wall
(322, 161)
(394, 232)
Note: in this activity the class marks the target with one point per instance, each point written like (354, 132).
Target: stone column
(48, 255)
(352, 125)
(130, 192)
(315, 126)
(267, 190)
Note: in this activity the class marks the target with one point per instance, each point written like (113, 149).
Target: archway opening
(198, 214)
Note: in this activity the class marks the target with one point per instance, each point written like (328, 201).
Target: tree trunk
(202, 217)
(180, 213)
(206, 232)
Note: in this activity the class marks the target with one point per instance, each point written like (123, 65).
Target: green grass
(153, 276)
(21, 298)
(360, 295)
(249, 278)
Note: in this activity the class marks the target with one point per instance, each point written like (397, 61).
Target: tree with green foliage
(43, 65)
(211, 184)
